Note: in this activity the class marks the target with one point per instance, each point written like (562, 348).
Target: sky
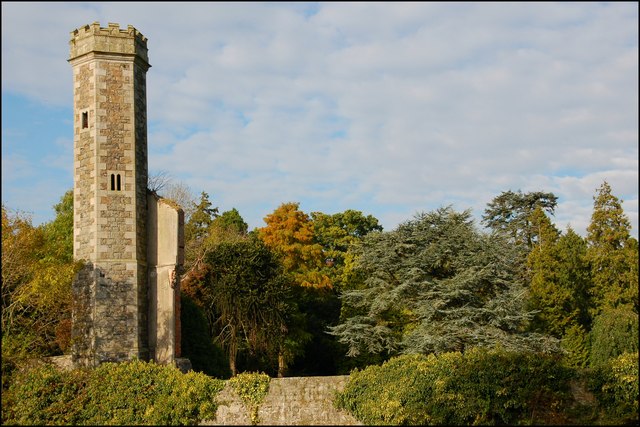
(390, 109)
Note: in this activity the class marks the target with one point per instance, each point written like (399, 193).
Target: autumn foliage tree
(290, 232)
(37, 272)
(21, 249)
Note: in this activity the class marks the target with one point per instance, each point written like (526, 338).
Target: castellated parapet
(110, 314)
(93, 38)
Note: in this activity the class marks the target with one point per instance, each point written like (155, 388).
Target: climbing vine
(252, 387)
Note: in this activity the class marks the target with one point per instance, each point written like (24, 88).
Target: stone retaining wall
(291, 401)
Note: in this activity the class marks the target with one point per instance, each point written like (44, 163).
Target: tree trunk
(232, 363)
(281, 365)
(233, 352)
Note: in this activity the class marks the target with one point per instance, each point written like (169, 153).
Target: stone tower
(113, 231)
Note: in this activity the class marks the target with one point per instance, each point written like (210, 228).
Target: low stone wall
(291, 401)
(64, 363)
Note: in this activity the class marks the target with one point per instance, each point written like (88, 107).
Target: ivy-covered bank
(479, 386)
(130, 393)
(492, 386)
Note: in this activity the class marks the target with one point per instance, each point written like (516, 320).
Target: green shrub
(130, 393)
(499, 387)
(397, 392)
(575, 344)
(478, 387)
(189, 401)
(17, 348)
(252, 387)
(614, 331)
(41, 395)
(616, 386)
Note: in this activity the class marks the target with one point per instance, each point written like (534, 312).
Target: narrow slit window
(118, 184)
(85, 120)
(113, 182)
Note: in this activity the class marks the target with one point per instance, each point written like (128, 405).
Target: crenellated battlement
(111, 40)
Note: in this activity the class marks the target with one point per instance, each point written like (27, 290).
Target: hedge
(128, 393)
(615, 383)
(478, 387)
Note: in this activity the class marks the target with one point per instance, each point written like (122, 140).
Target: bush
(616, 386)
(385, 394)
(130, 393)
(42, 395)
(252, 387)
(575, 344)
(478, 387)
(614, 331)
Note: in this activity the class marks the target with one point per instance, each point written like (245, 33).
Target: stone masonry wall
(84, 163)
(110, 180)
(291, 401)
(141, 175)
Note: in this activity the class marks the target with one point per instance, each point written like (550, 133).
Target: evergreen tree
(435, 284)
(574, 275)
(246, 296)
(546, 296)
(559, 278)
(196, 231)
(509, 213)
(231, 221)
(612, 254)
(227, 227)
(197, 344)
(615, 331)
(198, 225)
(575, 344)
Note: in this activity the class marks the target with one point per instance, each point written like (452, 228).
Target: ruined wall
(110, 205)
(165, 257)
(291, 401)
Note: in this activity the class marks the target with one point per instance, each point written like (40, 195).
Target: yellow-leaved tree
(37, 272)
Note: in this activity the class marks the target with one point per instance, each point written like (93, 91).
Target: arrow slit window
(116, 182)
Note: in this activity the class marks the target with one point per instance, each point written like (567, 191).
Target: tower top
(110, 40)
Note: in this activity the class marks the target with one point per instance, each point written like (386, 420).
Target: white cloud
(386, 108)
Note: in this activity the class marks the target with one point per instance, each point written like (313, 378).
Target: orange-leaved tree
(289, 232)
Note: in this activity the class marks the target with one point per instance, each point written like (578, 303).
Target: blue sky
(386, 108)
